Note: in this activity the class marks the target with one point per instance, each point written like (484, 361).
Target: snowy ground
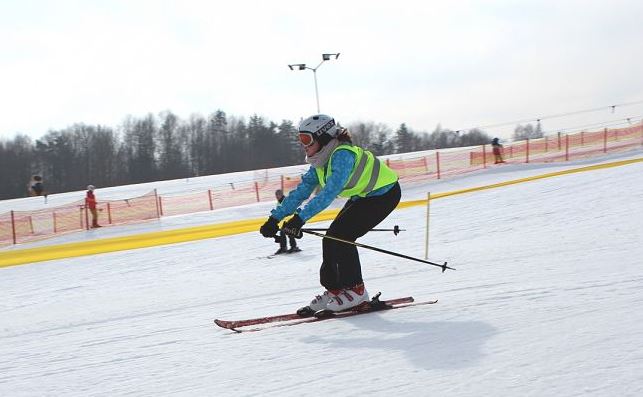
(545, 301)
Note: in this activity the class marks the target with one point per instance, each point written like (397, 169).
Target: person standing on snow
(343, 169)
(281, 238)
(497, 151)
(90, 203)
(36, 187)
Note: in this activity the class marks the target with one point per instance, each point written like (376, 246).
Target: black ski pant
(281, 239)
(340, 267)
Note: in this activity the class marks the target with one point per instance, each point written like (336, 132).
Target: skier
(343, 169)
(90, 203)
(281, 238)
(497, 151)
(36, 187)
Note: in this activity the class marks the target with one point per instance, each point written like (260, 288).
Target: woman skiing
(341, 169)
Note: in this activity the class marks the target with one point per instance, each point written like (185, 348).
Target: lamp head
(327, 57)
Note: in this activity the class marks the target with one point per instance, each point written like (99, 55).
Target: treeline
(166, 147)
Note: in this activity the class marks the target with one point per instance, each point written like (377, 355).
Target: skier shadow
(429, 345)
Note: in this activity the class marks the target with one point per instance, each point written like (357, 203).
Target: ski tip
(226, 325)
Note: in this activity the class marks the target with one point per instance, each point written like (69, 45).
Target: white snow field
(546, 301)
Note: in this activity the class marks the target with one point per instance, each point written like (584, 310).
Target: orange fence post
(426, 165)
(559, 143)
(282, 183)
(437, 163)
(257, 190)
(159, 210)
(566, 147)
(484, 156)
(109, 213)
(582, 138)
(13, 227)
(30, 224)
(54, 216)
(210, 198)
(605, 140)
(546, 144)
(86, 217)
(527, 152)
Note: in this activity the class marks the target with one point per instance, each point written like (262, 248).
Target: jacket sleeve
(342, 165)
(305, 188)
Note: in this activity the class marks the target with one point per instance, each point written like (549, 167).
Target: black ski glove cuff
(293, 227)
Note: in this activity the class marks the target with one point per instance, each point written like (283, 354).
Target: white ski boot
(318, 303)
(348, 299)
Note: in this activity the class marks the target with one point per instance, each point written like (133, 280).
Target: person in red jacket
(90, 203)
(497, 151)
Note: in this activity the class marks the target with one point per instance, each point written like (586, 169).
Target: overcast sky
(461, 64)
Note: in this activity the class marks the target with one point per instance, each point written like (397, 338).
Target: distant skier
(281, 238)
(90, 203)
(36, 186)
(349, 171)
(496, 148)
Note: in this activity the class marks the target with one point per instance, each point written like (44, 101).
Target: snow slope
(545, 301)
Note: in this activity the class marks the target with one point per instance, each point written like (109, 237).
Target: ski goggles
(306, 138)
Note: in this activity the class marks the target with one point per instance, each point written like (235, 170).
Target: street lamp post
(302, 66)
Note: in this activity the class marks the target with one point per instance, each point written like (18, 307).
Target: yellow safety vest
(369, 173)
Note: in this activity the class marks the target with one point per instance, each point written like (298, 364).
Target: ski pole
(443, 266)
(396, 230)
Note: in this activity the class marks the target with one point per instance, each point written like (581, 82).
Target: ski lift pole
(396, 230)
(442, 266)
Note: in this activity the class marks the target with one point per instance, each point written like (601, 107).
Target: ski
(286, 317)
(339, 315)
(290, 319)
(272, 256)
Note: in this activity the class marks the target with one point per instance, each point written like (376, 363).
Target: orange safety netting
(22, 226)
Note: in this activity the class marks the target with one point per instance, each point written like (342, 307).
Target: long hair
(344, 136)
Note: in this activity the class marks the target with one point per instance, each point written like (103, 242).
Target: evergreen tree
(288, 138)
(140, 145)
(217, 140)
(198, 145)
(16, 162)
(57, 160)
(403, 139)
(172, 163)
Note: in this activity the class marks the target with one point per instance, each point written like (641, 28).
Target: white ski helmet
(91, 187)
(322, 127)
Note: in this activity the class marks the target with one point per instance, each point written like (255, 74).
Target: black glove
(293, 227)
(270, 228)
